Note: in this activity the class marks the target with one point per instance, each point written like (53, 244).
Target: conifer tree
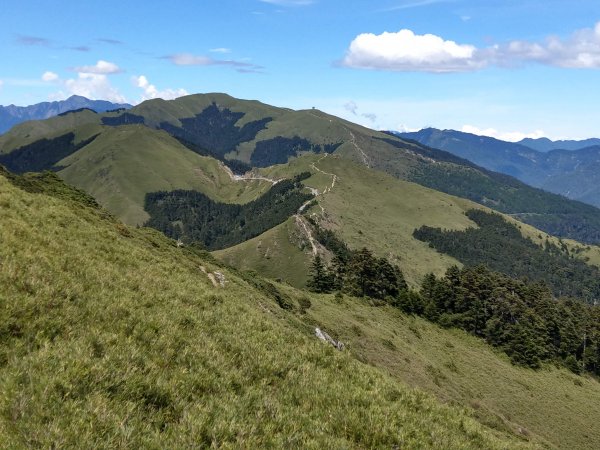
(320, 279)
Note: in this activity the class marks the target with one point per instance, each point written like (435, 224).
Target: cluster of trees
(523, 319)
(194, 218)
(43, 154)
(361, 275)
(500, 245)
(279, 149)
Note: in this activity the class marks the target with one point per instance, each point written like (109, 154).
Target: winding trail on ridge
(364, 156)
(301, 221)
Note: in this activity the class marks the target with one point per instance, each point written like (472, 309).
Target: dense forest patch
(500, 246)
(123, 119)
(279, 149)
(193, 217)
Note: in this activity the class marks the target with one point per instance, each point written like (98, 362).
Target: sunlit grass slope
(552, 405)
(124, 163)
(113, 337)
(283, 252)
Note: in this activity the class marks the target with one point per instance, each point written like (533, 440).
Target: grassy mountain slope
(367, 208)
(84, 124)
(124, 163)
(553, 405)
(266, 135)
(283, 252)
(114, 337)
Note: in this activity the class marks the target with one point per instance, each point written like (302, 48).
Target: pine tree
(320, 280)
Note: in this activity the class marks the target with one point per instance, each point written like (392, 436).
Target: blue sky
(506, 68)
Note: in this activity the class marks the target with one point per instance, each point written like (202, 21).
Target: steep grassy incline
(115, 338)
(125, 163)
(554, 406)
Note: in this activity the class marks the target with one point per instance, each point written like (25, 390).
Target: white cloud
(150, 90)
(406, 51)
(101, 67)
(220, 50)
(580, 51)
(49, 76)
(188, 59)
(1, 83)
(510, 136)
(93, 86)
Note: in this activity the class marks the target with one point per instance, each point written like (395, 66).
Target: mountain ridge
(568, 172)
(12, 115)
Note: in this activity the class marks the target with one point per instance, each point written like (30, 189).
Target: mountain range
(161, 272)
(570, 172)
(545, 144)
(12, 115)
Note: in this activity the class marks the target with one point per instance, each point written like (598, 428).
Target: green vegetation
(281, 253)
(279, 150)
(194, 218)
(125, 163)
(215, 128)
(43, 154)
(500, 245)
(552, 407)
(114, 337)
(523, 319)
(548, 212)
(124, 118)
(355, 272)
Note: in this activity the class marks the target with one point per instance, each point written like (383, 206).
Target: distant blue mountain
(12, 115)
(574, 172)
(545, 144)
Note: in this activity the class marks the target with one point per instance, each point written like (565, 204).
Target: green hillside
(248, 131)
(115, 337)
(124, 163)
(366, 208)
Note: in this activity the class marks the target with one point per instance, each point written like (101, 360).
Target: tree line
(522, 318)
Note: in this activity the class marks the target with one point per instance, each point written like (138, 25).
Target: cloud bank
(405, 51)
(510, 136)
(188, 59)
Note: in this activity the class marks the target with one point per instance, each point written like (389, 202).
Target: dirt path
(301, 223)
(363, 155)
(332, 175)
(247, 176)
